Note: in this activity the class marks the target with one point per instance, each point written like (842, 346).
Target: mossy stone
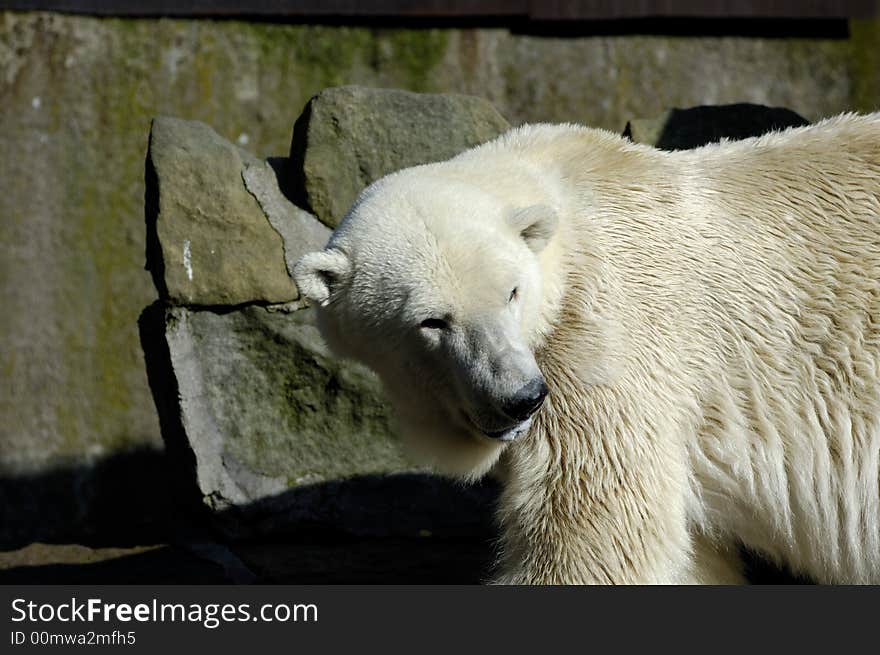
(213, 244)
(350, 136)
(265, 407)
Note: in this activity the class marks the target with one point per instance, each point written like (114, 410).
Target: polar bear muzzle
(527, 400)
(521, 407)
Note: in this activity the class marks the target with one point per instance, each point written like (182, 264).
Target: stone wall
(77, 420)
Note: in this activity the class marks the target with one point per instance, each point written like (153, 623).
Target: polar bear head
(435, 282)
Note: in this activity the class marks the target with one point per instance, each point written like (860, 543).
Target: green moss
(327, 56)
(414, 53)
(310, 416)
(100, 329)
(314, 56)
(865, 64)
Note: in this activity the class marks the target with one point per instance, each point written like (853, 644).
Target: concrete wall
(77, 95)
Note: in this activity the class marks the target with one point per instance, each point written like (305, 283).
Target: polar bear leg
(714, 564)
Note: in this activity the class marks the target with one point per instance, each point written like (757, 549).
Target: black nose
(527, 400)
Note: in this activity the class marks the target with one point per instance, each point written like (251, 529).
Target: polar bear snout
(527, 400)
(520, 408)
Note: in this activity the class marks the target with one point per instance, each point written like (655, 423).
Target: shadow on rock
(403, 529)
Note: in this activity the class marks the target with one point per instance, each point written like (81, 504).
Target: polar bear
(663, 354)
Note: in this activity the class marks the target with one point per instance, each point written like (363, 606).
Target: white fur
(708, 323)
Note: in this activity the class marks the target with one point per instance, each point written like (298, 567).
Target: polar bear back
(789, 281)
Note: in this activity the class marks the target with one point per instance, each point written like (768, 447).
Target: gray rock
(681, 129)
(209, 242)
(300, 231)
(265, 408)
(646, 130)
(349, 136)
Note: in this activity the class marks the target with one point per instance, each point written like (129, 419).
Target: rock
(208, 240)
(349, 136)
(300, 231)
(681, 129)
(264, 407)
(38, 554)
(646, 130)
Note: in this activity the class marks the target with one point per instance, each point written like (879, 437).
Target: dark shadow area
(163, 386)
(122, 500)
(295, 178)
(679, 26)
(404, 528)
(289, 176)
(166, 565)
(335, 561)
(370, 561)
(759, 570)
(154, 261)
(370, 506)
(698, 126)
(762, 28)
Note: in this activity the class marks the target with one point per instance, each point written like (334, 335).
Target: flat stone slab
(208, 240)
(350, 136)
(300, 232)
(266, 408)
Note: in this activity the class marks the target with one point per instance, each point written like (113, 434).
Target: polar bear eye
(434, 324)
(513, 294)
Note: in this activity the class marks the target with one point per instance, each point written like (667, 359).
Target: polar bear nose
(527, 400)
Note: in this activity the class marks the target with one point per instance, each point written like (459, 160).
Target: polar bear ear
(318, 273)
(536, 224)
